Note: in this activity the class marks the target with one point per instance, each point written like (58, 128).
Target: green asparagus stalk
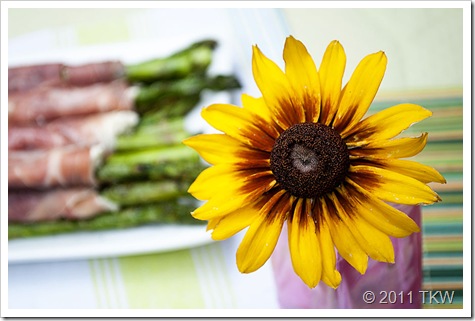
(169, 212)
(193, 59)
(145, 192)
(161, 93)
(148, 140)
(165, 100)
(170, 107)
(175, 162)
(150, 125)
(164, 132)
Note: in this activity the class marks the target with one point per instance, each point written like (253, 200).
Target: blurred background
(424, 46)
(425, 51)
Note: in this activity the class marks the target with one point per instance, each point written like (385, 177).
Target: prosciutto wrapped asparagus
(24, 78)
(47, 103)
(99, 128)
(68, 203)
(65, 166)
(88, 74)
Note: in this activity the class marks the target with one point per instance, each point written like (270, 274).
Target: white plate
(131, 241)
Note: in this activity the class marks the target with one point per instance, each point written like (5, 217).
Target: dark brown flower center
(309, 160)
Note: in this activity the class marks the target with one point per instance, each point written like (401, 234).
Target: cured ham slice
(67, 166)
(24, 78)
(70, 203)
(101, 128)
(46, 103)
(88, 74)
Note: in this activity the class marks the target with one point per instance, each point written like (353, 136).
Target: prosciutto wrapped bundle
(101, 128)
(24, 78)
(71, 203)
(84, 75)
(66, 166)
(47, 103)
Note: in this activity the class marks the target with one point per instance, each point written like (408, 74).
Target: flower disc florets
(309, 160)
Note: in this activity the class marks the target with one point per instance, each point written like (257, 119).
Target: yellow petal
(302, 74)
(345, 242)
(391, 186)
(359, 93)
(304, 246)
(230, 198)
(220, 205)
(240, 124)
(388, 123)
(214, 180)
(371, 240)
(275, 90)
(262, 235)
(394, 148)
(374, 242)
(228, 190)
(223, 149)
(331, 73)
(213, 223)
(421, 172)
(330, 274)
(234, 222)
(388, 220)
(380, 214)
(257, 106)
(215, 148)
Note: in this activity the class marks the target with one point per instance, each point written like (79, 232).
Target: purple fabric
(395, 286)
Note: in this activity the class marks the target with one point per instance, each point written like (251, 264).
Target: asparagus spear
(170, 212)
(171, 107)
(145, 192)
(155, 125)
(160, 93)
(193, 59)
(177, 162)
(164, 132)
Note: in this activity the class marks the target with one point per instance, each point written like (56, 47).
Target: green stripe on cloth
(165, 280)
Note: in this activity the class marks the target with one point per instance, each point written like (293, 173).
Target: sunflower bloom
(303, 155)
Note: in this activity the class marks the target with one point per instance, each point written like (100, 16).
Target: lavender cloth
(404, 278)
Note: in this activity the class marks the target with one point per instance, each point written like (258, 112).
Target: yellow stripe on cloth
(166, 280)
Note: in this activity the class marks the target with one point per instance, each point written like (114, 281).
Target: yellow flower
(303, 154)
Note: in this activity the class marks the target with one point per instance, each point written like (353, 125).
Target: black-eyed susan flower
(303, 154)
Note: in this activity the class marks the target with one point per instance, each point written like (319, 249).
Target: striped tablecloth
(206, 276)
